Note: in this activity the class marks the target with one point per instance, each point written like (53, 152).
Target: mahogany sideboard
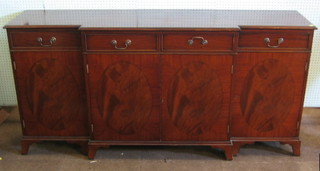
(219, 78)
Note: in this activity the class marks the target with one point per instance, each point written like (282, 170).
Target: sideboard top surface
(161, 19)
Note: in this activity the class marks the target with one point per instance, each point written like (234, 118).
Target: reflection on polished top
(160, 19)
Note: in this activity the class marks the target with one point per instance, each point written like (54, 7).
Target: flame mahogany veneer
(160, 77)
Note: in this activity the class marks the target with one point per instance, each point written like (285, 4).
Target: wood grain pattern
(124, 96)
(266, 98)
(53, 93)
(195, 98)
(50, 88)
(125, 99)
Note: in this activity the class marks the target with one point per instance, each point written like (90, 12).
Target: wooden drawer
(45, 38)
(218, 41)
(275, 39)
(121, 42)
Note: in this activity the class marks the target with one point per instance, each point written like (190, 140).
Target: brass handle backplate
(203, 41)
(51, 41)
(267, 41)
(115, 43)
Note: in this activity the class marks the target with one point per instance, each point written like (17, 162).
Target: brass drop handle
(267, 41)
(203, 41)
(51, 41)
(127, 43)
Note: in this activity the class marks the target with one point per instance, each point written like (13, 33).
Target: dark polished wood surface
(267, 96)
(66, 38)
(160, 19)
(293, 40)
(97, 41)
(50, 89)
(195, 89)
(161, 77)
(124, 95)
(217, 41)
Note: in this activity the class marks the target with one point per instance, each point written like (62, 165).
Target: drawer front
(121, 42)
(218, 41)
(45, 39)
(275, 40)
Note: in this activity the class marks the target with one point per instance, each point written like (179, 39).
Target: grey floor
(57, 156)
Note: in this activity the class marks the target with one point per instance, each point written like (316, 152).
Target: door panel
(267, 94)
(51, 91)
(196, 91)
(124, 97)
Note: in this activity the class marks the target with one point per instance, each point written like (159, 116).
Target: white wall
(10, 8)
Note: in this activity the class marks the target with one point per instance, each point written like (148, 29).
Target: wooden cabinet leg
(236, 148)
(296, 148)
(25, 147)
(92, 149)
(25, 144)
(295, 145)
(227, 150)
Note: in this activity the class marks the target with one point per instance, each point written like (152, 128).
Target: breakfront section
(159, 88)
(269, 80)
(50, 86)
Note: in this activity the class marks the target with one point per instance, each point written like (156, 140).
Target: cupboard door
(195, 91)
(51, 93)
(268, 93)
(124, 97)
